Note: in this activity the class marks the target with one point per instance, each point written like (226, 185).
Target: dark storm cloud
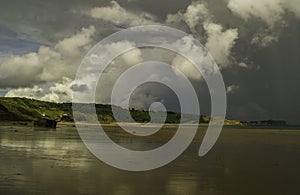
(44, 21)
(81, 88)
(274, 87)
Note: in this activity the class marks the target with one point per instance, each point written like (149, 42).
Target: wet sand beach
(243, 161)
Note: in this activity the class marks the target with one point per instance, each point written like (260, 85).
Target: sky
(255, 43)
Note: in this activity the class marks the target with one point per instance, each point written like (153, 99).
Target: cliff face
(23, 109)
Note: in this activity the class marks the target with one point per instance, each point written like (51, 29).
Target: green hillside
(23, 109)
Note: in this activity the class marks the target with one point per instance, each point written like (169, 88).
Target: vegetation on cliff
(23, 109)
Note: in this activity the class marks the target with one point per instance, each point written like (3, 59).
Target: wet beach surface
(243, 161)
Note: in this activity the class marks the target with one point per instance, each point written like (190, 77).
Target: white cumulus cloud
(271, 12)
(118, 15)
(47, 64)
(28, 92)
(220, 41)
(196, 13)
(60, 91)
(232, 89)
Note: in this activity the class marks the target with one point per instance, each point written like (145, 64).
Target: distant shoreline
(115, 124)
(14, 110)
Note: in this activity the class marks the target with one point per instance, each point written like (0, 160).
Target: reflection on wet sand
(57, 162)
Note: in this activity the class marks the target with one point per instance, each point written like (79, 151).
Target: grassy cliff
(23, 109)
